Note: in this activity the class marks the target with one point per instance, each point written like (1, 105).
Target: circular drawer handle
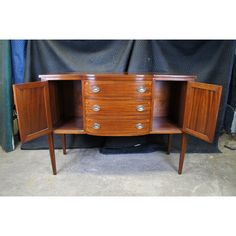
(142, 89)
(139, 126)
(96, 126)
(96, 108)
(95, 89)
(140, 108)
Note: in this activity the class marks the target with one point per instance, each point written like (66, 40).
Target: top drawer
(123, 89)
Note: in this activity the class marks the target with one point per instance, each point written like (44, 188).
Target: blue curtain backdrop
(12, 69)
(18, 53)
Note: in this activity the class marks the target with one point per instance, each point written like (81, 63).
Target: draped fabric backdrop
(210, 60)
(6, 100)
(230, 114)
(18, 53)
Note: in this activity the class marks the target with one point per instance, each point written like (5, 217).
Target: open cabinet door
(201, 110)
(33, 109)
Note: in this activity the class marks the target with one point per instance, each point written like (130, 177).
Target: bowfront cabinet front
(117, 105)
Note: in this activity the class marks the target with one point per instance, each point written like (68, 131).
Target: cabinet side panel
(177, 101)
(161, 98)
(72, 99)
(55, 95)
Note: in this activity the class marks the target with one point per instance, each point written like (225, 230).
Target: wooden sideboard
(117, 105)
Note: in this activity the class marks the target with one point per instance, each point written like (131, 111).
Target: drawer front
(118, 126)
(116, 107)
(123, 89)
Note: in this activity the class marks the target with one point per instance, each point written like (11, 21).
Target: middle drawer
(100, 107)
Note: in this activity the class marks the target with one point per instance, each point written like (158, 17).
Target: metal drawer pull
(140, 108)
(96, 108)
(95, 89)
(96, 126)
(139, 126)
(142, 89)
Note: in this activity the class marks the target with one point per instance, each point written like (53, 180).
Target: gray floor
(86, 172)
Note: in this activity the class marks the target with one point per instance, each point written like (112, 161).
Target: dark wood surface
(182, 153)
(121, 126)
(201, 111)
(63, 143)
(73, 125)
(118, 76)
(169, 143)
(163, 125)
(111, 89)
(52, 153)
(55, 95)
(33, 110)
(117, 107)
(64, 104)
(71, 98)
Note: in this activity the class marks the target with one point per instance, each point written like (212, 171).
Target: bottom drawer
(117, 127)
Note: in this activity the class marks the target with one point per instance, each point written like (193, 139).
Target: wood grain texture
(122, 126)
(73, 125)
(182, 153)
(169, 143)
(56, 101)
(117, 107)
(33, 110)
(161, 98)
(125, 90)
(163, 125)
(63, 143)
(52, 153)
(63, 104)
(201, 110)
(118, 76)
(72, 98)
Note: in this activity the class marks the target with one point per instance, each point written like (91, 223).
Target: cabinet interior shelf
(163, 125)
(72, 125)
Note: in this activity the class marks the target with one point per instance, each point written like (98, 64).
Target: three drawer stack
(117, 108)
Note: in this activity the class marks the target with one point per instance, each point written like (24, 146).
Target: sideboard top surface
(120, 76)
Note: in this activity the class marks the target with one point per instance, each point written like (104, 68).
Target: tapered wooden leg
(182, 152)
(63, 143)
(169, 143)
(52, 153)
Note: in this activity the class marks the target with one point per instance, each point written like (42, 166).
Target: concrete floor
(86, 172)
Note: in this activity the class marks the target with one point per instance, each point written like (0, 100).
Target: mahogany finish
(121, 126)
(169, 143)
(52, 153)
(117, 105)
(182, 152)
(163, 125)
(72, 125)
(201, 111)
(33, 110)
(63, 142)
(121, 89)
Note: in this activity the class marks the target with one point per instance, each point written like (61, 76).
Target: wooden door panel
(201, 110)
(33, 109)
